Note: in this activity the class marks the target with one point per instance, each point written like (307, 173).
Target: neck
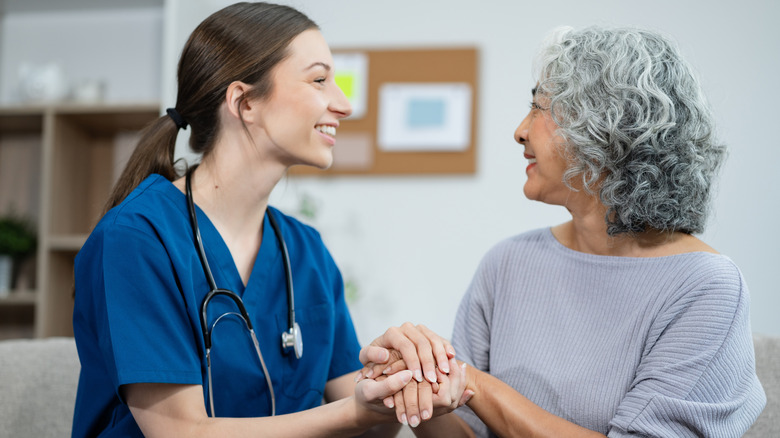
(232, 194)
(587, 232)
(232, 186)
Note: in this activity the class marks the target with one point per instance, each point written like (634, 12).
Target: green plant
(17, 237)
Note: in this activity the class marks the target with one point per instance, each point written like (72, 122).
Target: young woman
(194, 298)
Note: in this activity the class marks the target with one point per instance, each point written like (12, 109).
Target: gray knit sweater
(624, 346)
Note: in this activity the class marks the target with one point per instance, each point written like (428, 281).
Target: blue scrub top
(139, 289)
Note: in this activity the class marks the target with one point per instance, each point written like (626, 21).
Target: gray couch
(38, 387)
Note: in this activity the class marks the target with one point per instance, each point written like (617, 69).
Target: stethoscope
(291, 338)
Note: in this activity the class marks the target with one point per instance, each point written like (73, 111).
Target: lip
(530, 165)
(331, 140)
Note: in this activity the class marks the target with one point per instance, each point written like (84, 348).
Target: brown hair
(242, 42)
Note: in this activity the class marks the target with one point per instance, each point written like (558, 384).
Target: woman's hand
(420, 349)
(432, 399)
(425, 353)
(370, 394)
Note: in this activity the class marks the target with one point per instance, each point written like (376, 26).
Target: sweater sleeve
(471, 334)
(697, 372)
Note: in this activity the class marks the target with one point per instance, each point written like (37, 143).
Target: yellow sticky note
(346, 81)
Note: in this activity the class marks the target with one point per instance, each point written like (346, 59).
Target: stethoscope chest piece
(293, 339)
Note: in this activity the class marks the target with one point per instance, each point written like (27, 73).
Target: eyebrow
(318, 63)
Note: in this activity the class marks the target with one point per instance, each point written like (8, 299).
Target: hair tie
(177, 118)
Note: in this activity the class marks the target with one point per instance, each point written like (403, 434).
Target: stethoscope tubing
(259, 355)
(293, 329)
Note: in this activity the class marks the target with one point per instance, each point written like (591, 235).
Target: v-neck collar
(223, 266)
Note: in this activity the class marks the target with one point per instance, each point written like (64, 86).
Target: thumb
(374, 390)
(374, 354)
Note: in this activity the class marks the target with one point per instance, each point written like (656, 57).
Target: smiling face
(300, 116)
(543, 149)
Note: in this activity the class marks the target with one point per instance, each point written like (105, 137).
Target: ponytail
(154, 154)
(241, 42)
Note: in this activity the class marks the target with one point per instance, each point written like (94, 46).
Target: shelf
(73, 5)
(89, 150)
(59, 163)
(27, 120)
(108, 119)
(18, 298)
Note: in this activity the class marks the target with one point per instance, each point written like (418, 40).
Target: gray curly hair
(636, 126)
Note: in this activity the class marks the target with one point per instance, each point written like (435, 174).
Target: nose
(521, 133)
(339, 103)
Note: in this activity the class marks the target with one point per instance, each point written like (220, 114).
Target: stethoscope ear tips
(293, 339)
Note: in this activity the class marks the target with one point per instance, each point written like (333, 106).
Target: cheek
(549, 126)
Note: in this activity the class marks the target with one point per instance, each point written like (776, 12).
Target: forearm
(383, 431)
(508, 413)
(449, 425)
(172, 411)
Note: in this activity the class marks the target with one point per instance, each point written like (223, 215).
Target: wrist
(360, 418)
(473, 380)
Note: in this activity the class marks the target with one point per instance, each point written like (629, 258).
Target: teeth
(531, 160)
(325, 129)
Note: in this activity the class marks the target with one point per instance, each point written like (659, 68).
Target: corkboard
(406, 66)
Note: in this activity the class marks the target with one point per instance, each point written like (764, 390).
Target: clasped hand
(439, 383)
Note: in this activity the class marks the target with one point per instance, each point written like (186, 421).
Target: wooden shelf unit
(80, 151)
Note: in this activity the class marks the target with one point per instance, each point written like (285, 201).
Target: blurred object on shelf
(42, 83)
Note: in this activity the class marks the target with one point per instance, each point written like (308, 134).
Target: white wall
(120, 47)
(411, 244)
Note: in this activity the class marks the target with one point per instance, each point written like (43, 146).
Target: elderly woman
(619, 322)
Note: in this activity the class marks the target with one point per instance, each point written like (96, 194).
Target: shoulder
(302, 240)
(519, 246)
(294, 228)
(709, 270)
(154, 209)
(153, 199)
(706, 287)
(524, 241)
(513, 256)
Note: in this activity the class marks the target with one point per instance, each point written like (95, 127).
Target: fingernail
(387, 370)
(445, 368)
(359, 376)
(418, 375)
(369, 373)
(403, 419)
(426, 415)
(406, 376)
(414, 422)
(451, 351)
(469, 394)
(392, 405)
(386, 356)
(430, 376)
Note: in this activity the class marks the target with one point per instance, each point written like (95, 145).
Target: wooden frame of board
(408, 66)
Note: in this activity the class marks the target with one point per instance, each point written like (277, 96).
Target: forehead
(307, 48)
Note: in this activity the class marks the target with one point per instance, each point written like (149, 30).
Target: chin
(322, 163)
(528, 194)
(325, 162)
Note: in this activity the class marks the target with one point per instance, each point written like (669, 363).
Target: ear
(237, 104)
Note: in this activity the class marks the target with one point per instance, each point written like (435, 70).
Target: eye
(320, 80)
(535, 106)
